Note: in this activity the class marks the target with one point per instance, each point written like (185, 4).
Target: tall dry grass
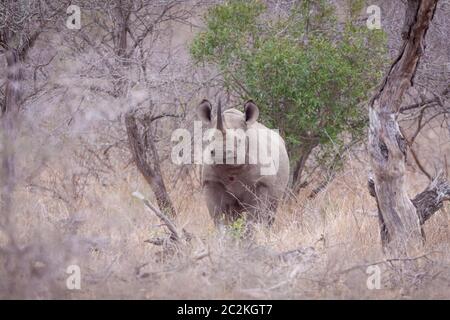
(317, 248)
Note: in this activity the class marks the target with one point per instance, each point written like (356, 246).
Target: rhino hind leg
(261, 205)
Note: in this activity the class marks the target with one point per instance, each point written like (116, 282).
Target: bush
(308, 73)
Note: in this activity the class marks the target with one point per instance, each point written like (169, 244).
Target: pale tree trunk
(16, 39)
(9, 128)
(9, 122)
(21, 24)
(400, 219)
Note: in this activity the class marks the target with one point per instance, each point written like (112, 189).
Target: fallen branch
(175, 235)
(364, 266)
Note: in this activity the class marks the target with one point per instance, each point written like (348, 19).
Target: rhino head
(232, 125)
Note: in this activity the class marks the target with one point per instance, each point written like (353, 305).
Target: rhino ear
(251, 112)
(204, 110)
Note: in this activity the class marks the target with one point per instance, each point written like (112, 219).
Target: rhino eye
(213, 152)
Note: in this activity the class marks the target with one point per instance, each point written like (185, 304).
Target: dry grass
(316, 249)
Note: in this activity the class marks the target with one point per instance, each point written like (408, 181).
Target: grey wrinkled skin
(232, 190)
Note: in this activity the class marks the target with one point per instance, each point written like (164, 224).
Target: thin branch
(175, 236)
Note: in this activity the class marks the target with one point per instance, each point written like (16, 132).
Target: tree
(308, 73)
(121, 33)
(401, 218)
(22, 23)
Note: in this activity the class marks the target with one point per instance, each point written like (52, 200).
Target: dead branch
(176, 237)
(387, 261)
(428, 201)
(432, 198)
(146, 157)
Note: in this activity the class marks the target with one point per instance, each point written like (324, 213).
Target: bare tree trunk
(146, 158)
(9, 126)
(305, 152)
(9, 122)
(399, 218)
(122, 16)
(13, 83)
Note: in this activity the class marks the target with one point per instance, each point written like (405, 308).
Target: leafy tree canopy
(308, 72)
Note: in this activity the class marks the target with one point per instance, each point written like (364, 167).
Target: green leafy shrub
(308, 73)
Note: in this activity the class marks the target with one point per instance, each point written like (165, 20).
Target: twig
(361, 266)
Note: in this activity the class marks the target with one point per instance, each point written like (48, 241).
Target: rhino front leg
(222, 206)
